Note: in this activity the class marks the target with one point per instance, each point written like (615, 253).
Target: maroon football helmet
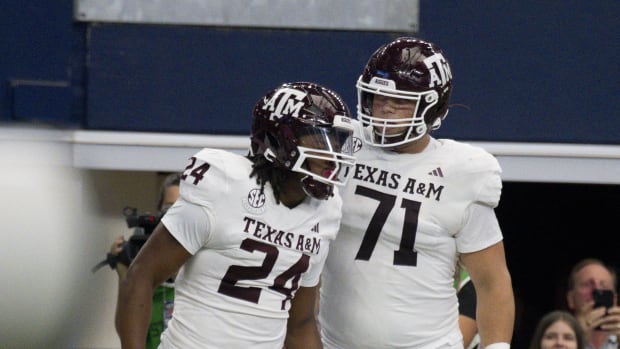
(302, 120)
(406, 68)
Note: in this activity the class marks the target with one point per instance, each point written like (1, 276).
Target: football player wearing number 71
(249, 234)
(413, 207)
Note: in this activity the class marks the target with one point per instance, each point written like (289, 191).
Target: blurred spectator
(558, 329)
(600, 321)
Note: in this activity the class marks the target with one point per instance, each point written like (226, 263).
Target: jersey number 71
(405, 255)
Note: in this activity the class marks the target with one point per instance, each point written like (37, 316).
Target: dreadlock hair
(265, 171)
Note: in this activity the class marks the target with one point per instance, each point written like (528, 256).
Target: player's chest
(301, 233)
(403, 197)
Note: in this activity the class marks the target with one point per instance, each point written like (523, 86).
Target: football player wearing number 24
(249, 235)
(413, 207)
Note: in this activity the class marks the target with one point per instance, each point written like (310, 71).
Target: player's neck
(414, 147)
(292, 194)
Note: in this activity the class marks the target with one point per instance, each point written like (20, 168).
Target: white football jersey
(250, 255)
(388, 279)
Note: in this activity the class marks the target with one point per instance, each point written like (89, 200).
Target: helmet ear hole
(431, 97)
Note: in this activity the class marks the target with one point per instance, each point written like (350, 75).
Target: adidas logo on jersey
(436, 172)
(315, 228)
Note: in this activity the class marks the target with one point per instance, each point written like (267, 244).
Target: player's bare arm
(302, 330)
(495, 300)
(148, 270)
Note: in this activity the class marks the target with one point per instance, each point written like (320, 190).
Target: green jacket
(163, 299)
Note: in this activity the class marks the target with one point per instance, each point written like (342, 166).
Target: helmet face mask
(305, 128)
(409, 69)
(332, 145)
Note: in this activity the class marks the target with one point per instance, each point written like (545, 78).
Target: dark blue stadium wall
(533, 71)
(198, 79)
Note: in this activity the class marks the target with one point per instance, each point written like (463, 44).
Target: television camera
(143, 225)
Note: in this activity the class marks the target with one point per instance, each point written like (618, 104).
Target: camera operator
(163, 296)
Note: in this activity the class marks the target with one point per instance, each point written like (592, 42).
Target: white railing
(522, 162)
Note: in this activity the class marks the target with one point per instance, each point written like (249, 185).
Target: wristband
(499, 345)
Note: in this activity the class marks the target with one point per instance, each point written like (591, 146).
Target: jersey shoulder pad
(468, 158)
(479, 168)
(212, 174)
(359, 133)
(357, 129)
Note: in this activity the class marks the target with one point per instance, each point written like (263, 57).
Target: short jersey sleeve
(480, 229)
(189, 224)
